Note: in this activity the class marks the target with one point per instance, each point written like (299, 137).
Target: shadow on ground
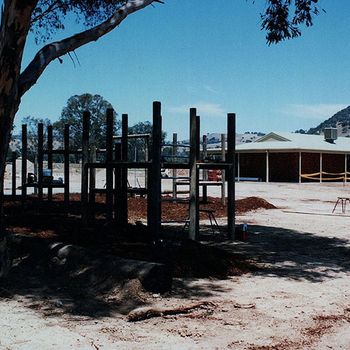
(75, 288)
(292, 254)
(269, 251)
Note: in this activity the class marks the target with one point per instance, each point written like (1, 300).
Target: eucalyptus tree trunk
(15, 23)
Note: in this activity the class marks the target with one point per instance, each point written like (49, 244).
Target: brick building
(291, 157)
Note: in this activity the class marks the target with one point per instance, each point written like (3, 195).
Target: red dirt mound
(137, 207)
(179, 211)
(252, 203)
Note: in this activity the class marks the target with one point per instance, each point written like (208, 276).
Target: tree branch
(44, 13)
(54, 50)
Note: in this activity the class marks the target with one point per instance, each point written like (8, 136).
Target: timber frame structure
(117, 164)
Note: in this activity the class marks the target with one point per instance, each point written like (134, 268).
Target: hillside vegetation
(340, 120)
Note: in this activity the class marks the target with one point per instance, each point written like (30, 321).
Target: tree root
(144, 314)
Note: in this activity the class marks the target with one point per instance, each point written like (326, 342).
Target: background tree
(72, 114)
(281, 20)
(137, 147)
(32, 134)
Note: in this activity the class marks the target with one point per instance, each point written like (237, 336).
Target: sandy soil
(299, 298)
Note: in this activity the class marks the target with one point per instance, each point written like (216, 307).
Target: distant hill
(248, 136)
(340, 120)
(214, 139)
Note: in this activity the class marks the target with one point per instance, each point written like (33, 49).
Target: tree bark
(15, 24)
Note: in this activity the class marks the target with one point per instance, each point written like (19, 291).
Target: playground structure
(116, 164)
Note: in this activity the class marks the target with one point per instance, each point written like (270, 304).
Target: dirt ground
(297, 296)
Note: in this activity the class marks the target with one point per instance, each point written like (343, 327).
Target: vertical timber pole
(300, 170)
(198, 139)
(24, 161)
(66, 166)
(345, 168)
(92, 183)
(174, 173)
(49, 159)
(117, 184)
(238, 167)
(109, 160)
(230, 174)
(194, 200)
(154, 209)
(198, 148)
(84, 169)
(124, 172)
(223, 172)
(40, 159)
(36, 171)
(14, 170)
(146, 159)
(267, 167)
(205, 172)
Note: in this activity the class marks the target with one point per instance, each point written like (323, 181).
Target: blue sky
(209, 55)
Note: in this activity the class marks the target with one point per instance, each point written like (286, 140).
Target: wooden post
(40, 159)
(205, 149)
(300, 170)
(194, 202)
(24, 161)
(154, 209)
(345, 167)
(205, 172)
(321, 167)
(92, 184)
(84, 170)
(223, 173)
(36, 171)
(198, 138)
(174, 172)
(230, 174)
(124, 172)
(14, 156)
(146, 159)
(49, 158)
(66, 165)
(267, 167)
(117, 181)
(109, 160)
